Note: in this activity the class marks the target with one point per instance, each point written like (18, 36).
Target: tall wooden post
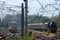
(22, 21)
(26, 11)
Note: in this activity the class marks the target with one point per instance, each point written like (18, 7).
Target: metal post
(59, 13)
(26, 10)
(22, 21)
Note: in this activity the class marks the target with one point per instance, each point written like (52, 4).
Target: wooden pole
(22, 21)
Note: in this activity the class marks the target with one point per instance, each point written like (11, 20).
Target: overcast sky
(33, 5)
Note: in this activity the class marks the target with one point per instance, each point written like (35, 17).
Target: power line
(7, 7)
(40, 4)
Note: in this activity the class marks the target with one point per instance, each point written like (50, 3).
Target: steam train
(41, 27)
(38, 26)
(12, 27)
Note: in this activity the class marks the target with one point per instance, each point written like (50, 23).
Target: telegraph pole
(26, 11)
(22, 22)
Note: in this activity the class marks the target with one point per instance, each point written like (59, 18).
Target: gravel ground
(6, 35)
(41, 36)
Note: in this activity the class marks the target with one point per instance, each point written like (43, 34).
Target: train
(43, 27)
(38, 26)
(12, 26)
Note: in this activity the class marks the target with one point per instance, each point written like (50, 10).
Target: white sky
(33, 5)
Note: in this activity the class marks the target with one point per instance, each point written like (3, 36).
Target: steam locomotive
(13, 27)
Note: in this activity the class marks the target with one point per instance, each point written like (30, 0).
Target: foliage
(37, 18)
(27, 37)
(57, 20)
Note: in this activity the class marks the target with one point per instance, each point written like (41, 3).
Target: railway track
(40, 36)
(6, 35)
